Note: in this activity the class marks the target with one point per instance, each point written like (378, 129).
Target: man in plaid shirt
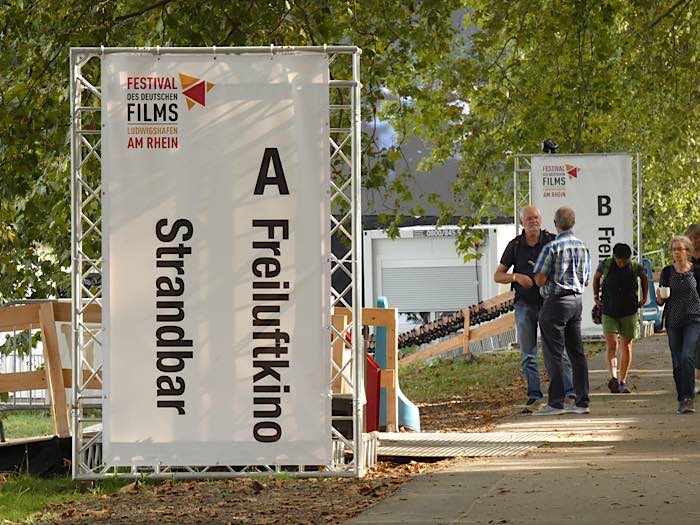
(562, 271)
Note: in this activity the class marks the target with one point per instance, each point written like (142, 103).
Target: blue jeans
(526, 316)
(682, 341)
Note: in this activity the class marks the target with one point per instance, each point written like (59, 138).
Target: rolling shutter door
(431, 288)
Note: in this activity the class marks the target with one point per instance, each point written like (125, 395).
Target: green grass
(22, 497)
(27, 424)
(446, 378)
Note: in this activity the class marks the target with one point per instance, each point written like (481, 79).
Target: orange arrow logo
(573, 171)
(195, 90)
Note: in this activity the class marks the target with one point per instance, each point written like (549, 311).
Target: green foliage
(404, 43)
(597, 76)
(608, 75)
(20, 342)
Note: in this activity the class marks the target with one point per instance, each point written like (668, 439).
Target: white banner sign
(216, 247)
(599, 189)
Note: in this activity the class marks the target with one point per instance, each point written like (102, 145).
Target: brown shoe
(614, 386)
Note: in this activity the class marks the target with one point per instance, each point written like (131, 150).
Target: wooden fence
(470, 335)
(54, 377)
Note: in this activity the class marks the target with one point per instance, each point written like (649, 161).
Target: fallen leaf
(98, 514)
(131, 487)
(366, 490)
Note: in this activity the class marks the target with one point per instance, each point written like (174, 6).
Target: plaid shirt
(566, 262)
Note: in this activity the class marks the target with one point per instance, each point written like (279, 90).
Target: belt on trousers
(567, 292)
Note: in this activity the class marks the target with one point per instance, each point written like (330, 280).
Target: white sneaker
(577, 410)
(548, 410)
(687, 406)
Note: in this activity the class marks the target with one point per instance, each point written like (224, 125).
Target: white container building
(421, 272)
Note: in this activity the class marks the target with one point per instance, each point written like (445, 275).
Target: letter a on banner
(263, 177)
(216, 246)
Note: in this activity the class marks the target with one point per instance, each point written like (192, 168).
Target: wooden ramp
(470, 444)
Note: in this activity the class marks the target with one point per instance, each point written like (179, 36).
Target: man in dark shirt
(521, 253)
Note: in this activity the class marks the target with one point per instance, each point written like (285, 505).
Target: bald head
(564, 218)
(528, 211)
(531, 219)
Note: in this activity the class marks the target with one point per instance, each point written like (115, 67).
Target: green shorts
(627, 327)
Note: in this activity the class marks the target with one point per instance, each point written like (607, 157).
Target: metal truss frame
(522, 184)
(351, 455)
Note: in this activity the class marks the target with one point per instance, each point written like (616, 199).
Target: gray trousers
(560, 326)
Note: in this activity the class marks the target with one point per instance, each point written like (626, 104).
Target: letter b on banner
(604, 207)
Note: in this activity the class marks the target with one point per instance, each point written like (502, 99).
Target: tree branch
(501, 52)
(307, 23)
(142, 11)
(667, 12)
(282, 19)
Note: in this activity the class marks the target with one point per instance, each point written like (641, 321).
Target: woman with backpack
(679, 289)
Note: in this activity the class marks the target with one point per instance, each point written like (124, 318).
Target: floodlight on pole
(549, 146)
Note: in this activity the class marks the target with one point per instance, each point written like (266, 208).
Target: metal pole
(358, 350)
(216, 50)
(639, 205)
(529, 183)
(76, 206)
(516, 164)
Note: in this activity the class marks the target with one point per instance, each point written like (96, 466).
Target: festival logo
(153, 108)
(555, 178)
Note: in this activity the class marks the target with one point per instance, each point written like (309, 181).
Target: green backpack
(637, 268)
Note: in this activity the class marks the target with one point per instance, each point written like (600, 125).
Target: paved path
(632, 460)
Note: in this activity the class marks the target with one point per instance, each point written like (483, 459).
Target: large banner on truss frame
(216, 245)
(599, 189)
